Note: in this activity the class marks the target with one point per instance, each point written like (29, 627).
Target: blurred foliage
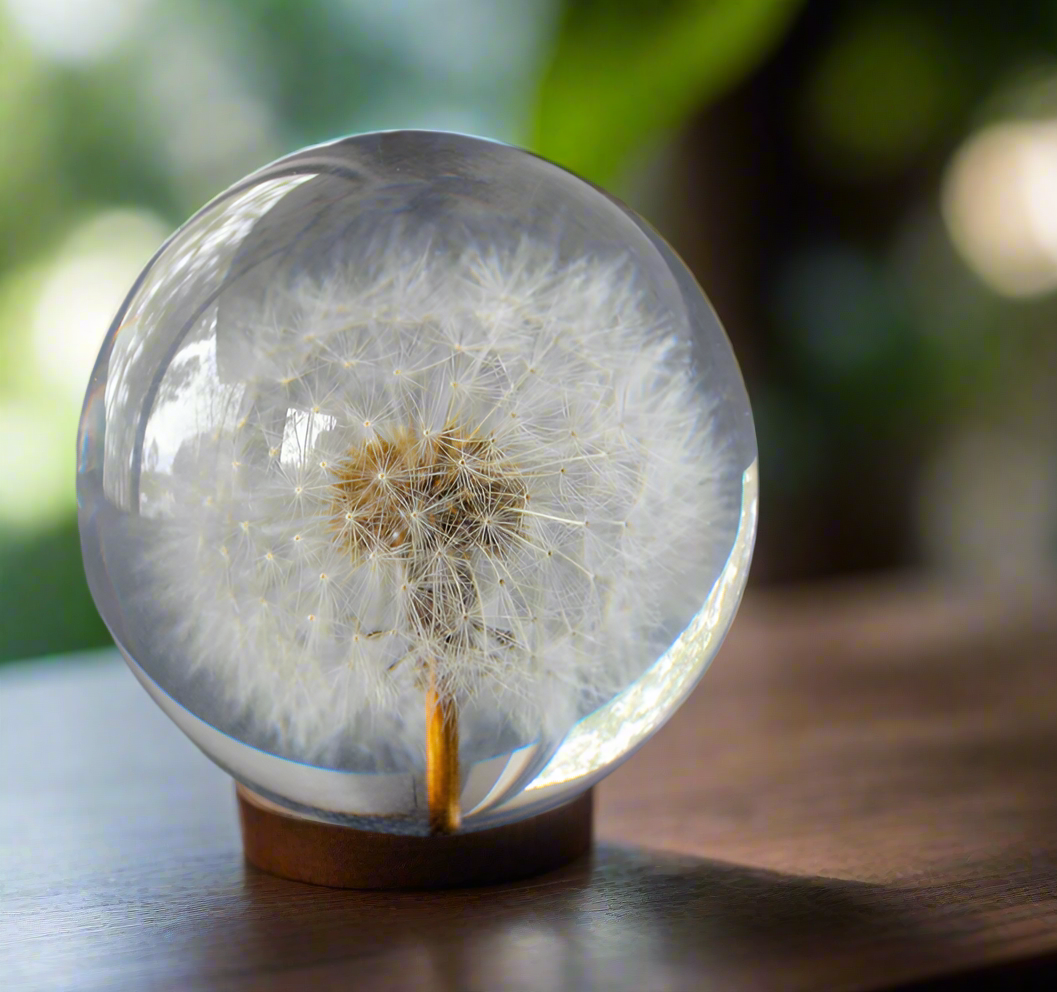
(625, 73)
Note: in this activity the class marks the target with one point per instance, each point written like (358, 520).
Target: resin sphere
(417, 482)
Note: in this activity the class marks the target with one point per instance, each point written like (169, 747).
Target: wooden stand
(305, 850)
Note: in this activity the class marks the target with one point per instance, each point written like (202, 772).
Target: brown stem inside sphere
(442, 762)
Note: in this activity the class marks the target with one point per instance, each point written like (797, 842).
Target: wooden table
(861, 794)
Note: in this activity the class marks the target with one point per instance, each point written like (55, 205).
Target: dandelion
(458, 499)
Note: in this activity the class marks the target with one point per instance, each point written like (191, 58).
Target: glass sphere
(417, 482)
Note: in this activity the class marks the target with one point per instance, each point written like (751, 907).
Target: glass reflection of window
(196, 263)
(299, 435)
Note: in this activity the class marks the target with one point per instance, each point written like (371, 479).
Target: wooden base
(305, 850)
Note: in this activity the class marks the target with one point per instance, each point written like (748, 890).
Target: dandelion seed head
(488, 470)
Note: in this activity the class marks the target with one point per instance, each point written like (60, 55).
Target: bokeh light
(76, 31)
(57, 314)
(1000, 203)
(81, 293)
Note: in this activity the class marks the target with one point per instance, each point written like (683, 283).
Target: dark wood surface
(861, 794)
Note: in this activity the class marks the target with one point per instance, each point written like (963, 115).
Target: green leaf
(625, 72)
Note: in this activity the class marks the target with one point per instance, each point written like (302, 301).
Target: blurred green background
(867, 190)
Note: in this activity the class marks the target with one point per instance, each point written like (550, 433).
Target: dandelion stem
(442, 761)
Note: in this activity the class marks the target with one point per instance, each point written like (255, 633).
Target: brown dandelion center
(415, 496)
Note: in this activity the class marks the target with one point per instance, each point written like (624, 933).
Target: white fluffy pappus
(491, 473)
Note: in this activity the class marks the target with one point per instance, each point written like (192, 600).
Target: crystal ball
(417, 482)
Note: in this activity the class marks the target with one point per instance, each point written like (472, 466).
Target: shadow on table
(625, 918)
